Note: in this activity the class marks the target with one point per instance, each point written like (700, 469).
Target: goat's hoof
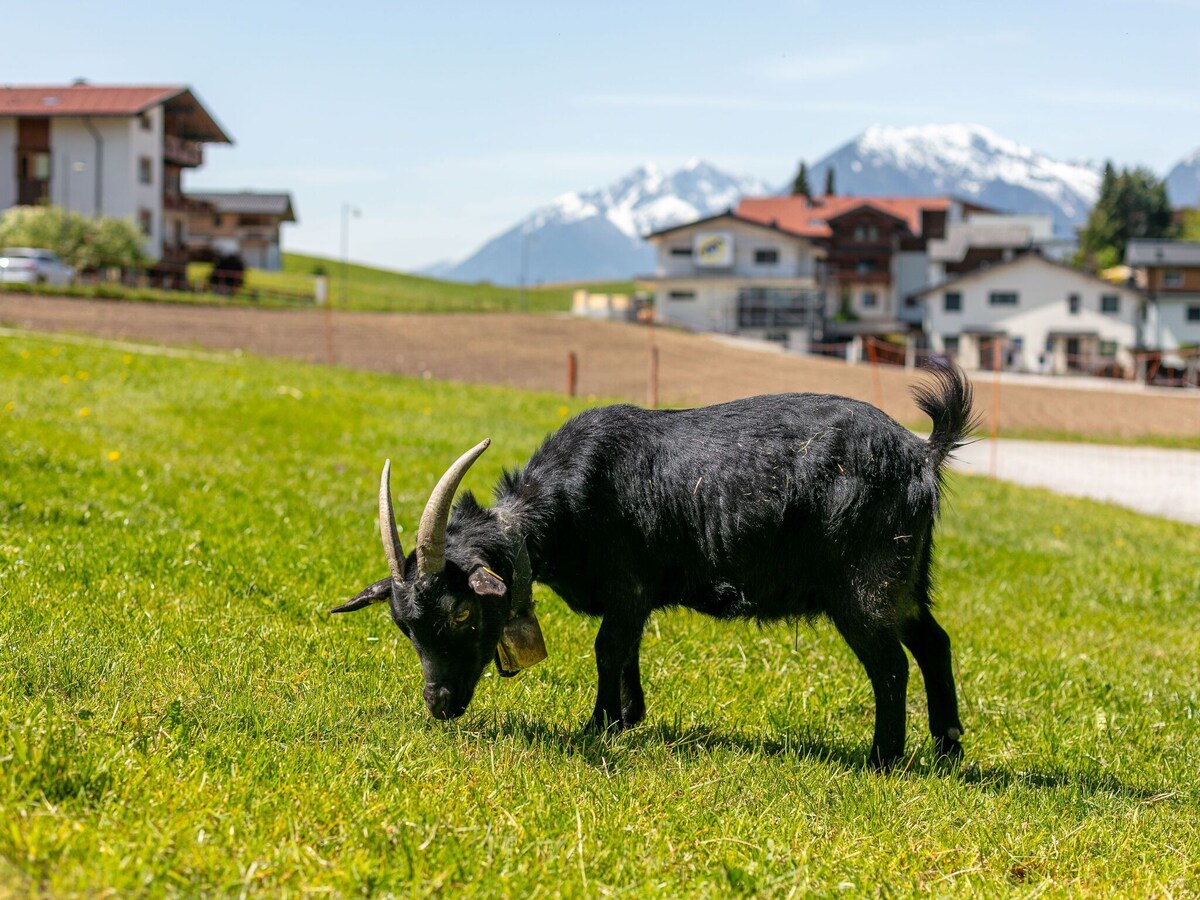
(601, 724)
(948, 749)
(884, 762)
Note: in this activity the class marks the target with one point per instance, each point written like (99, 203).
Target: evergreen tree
(829, 185)
(800, 183)
(1132, 204)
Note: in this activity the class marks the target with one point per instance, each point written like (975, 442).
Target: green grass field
(180, 714)
(366, 289)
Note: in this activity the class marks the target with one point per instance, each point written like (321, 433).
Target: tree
(1189, 228)
(800, 184)
(1132, 204)
(829, 186)
(78, 240)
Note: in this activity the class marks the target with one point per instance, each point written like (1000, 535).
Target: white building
(985, 238)
(103, 150)
(1169, 272)
(734, 275)
(1042, 316)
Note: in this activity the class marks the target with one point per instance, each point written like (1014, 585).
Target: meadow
(366, 288)
(179, 713)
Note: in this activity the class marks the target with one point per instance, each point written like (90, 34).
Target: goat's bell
(521, 645)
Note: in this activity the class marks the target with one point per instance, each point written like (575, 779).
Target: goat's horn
(431, 533)
(387, 527)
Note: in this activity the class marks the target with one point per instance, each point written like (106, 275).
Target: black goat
(767, 508)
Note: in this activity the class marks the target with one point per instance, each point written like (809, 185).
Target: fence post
(875, 378)
(572, 373)
(997, 351)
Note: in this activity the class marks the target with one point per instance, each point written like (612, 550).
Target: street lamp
(347, 212)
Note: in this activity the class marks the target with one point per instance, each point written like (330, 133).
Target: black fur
(793, 505)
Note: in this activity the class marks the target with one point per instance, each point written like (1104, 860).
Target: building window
(145, 170)
(866, 234)
(1108, 348)
(952, 301)
(869, 300)
(1172, 278)
(1073, 302)
(1193, 313)
(144, 121)
(145, 221)
(766, 257)
(1110, 304)
(682, 251)
(681, 295)
(950, 342)
(1002, 298)
(864, 266)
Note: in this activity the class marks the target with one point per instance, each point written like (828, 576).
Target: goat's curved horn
(431, 533)
(387, 527)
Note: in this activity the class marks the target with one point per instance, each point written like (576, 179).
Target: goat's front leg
(619, 702)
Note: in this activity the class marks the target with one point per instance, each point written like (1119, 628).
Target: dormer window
(866, 234)
(766, 257)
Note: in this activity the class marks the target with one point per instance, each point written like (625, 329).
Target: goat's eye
(462, 614)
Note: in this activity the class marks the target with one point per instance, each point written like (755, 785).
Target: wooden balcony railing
(182, 152)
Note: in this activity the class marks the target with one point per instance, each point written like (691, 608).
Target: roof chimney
(78, 82)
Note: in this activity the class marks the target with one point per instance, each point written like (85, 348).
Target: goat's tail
(948, 400)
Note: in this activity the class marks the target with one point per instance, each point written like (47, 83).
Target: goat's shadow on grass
(624, 751)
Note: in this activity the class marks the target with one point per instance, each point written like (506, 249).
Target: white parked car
(28, 265)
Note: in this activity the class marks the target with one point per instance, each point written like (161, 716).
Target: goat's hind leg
(878, 649)
(930, 646)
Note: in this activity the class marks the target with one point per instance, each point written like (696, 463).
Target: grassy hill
(370, 288)
(180, 715)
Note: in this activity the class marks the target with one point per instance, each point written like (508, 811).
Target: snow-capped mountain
(969, 161)
(1183, 181)
(597, 235)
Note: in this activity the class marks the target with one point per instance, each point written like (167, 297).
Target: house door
(1074, 362)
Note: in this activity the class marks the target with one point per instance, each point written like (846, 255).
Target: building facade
(1169, 273)
(737, 276)
(246, 223)
(107, 151)
(875, 249)
(1039, 316)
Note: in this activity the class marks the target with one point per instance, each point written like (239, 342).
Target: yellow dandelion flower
(562, 411)
(85, 412)
(10, 406)
(24, 354)
(82, 376)
(55, 351)
(65, 379)
(428, 410)
(114, 455)
(127, 359)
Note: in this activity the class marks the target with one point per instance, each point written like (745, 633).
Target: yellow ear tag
(493, 574)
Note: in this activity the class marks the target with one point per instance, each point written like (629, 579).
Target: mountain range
(598, 235)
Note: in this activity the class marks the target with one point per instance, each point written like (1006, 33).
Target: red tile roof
(105, 100)
(798, 215)
(82, 100)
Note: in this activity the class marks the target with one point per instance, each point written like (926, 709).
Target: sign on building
(713, 249)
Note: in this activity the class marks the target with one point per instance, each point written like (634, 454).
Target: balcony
(181, 152)
(778, 308)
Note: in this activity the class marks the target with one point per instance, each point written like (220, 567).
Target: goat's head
(460, 602)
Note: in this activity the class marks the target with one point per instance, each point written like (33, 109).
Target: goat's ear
(486, 583)
(379, 592)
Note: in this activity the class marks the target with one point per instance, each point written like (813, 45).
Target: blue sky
(445, 123)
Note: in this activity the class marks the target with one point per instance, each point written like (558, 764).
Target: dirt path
(529, 351)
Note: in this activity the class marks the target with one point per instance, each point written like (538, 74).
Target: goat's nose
(437, 700)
